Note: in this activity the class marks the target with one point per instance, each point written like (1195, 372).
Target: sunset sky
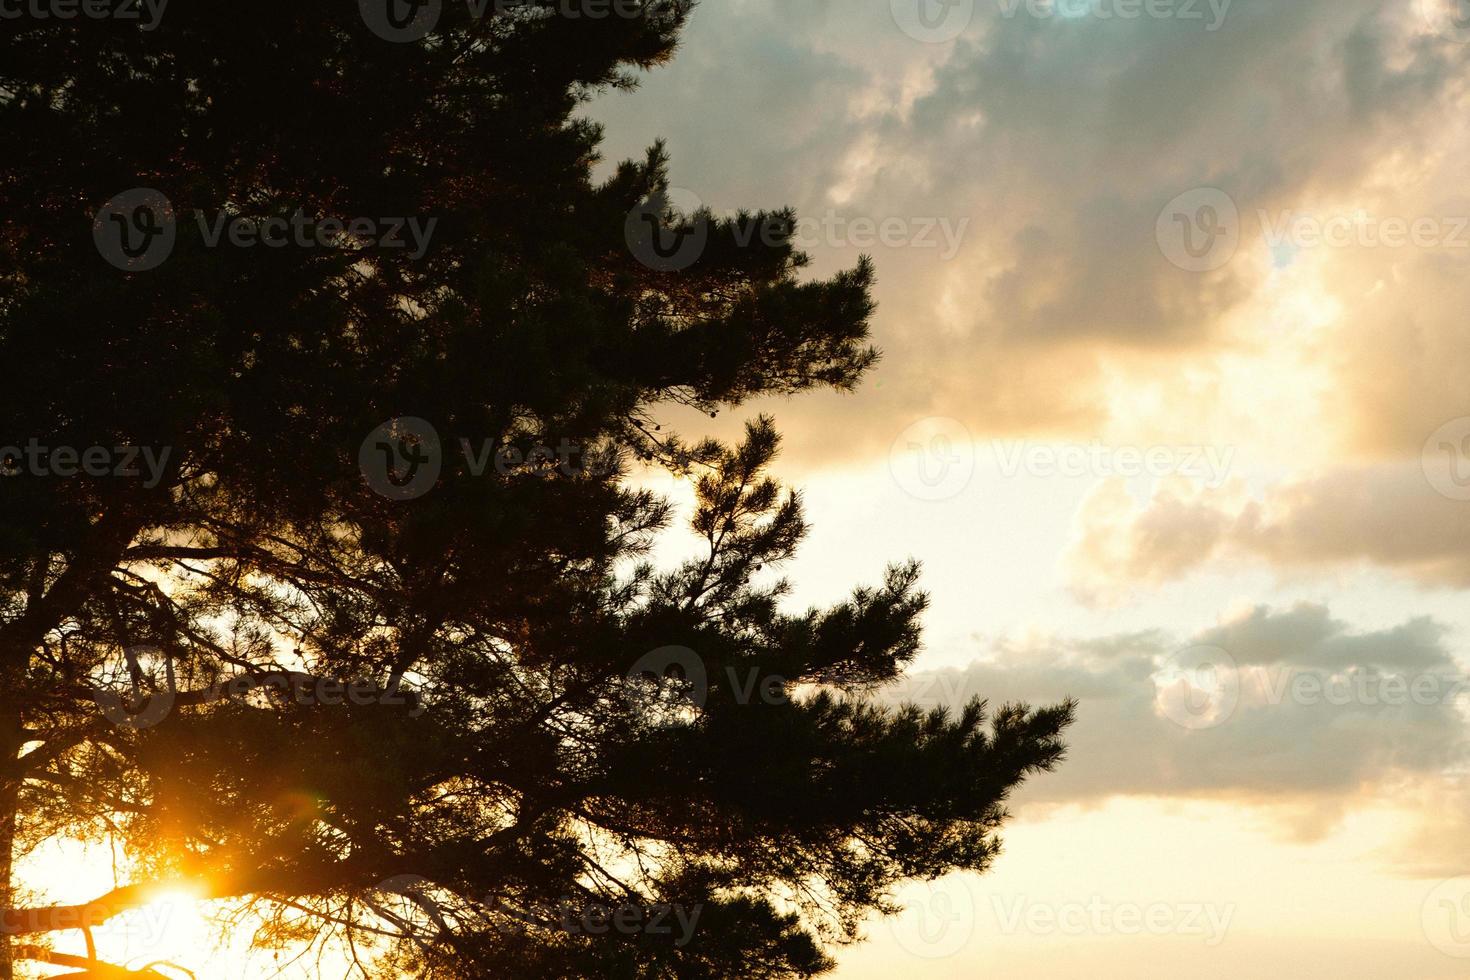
(1174, 410)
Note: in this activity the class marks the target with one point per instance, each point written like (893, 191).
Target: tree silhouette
(322, 586)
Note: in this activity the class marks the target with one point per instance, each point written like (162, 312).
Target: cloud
(1060, 140)
(1388, 515)
(1289, 707)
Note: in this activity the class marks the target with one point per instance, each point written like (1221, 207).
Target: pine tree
(323, 586)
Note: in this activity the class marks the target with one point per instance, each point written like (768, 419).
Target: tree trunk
(9, 798)
(12, 775)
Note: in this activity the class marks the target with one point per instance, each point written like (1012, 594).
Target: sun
(171, 929)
